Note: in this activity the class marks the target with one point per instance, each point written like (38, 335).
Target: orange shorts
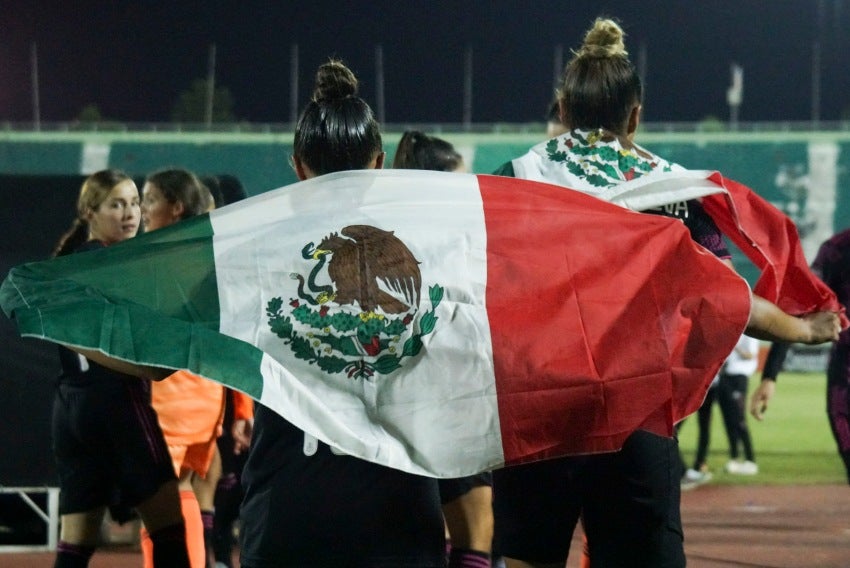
(190, 411)
(196, 457)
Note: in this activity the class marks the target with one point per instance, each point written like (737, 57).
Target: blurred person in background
(832, 264)
(190, 409)
(109, 449)
(732, 398)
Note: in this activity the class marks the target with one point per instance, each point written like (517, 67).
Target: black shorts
(451, 489)
(332, 510)
(628, 501)
(108, 446)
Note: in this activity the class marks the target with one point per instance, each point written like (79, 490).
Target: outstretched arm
(769, 322)
(141, 371)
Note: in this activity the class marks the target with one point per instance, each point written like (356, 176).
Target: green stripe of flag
(155, 298)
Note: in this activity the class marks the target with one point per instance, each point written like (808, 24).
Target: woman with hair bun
(337, 130)
(629, 500)
(305, 505)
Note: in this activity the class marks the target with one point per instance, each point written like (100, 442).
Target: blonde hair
(604, 39)
(93, 193)
(600, 85)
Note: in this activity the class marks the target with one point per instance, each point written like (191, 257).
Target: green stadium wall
(805, 174)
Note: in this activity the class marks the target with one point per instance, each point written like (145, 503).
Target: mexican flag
(437, 323)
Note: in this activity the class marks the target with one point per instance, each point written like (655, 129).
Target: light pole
(816, 63)
(735, 95)
(36, 104)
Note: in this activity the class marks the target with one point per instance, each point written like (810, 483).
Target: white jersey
(744, 359)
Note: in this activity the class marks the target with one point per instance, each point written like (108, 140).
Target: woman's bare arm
(769, 322)
(141, 371)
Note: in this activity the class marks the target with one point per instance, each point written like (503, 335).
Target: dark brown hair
(182, 186)
(337, 130)
(418, 151)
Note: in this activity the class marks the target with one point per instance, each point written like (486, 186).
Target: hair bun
(604, 39)
(334, 81)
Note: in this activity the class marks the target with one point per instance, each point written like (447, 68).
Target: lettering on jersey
(677, 210)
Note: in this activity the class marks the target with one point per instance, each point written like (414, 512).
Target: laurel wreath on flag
(342, 341)
(599, 163)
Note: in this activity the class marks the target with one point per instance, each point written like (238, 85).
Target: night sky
(132, 59)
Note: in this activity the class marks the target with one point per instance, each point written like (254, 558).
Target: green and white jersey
(589, 161)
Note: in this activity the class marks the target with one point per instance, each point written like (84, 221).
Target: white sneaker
(742, 467)
(697, 476)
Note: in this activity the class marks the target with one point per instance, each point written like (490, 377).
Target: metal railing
(433, 128)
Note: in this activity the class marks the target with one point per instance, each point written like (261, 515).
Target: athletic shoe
(742, 467)
(698, 477)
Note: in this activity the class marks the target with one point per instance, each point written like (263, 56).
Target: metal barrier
(49, 515)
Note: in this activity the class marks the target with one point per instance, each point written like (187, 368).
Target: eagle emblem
(357, 311)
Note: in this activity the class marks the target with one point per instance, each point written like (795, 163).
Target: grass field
(793, 445)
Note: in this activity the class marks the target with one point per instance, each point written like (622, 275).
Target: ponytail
(76, 235)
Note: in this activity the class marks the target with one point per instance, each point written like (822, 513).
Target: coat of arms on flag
(362, 322)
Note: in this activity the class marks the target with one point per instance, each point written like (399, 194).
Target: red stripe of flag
(770, 240)
(602, 320)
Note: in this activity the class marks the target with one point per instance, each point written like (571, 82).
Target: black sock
(208, 518)
(169, 547)
(72, 555)
(228, 497)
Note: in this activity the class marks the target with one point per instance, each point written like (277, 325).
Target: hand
(823, 326)
(769, 322)
(242, 431)
(761, 396)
